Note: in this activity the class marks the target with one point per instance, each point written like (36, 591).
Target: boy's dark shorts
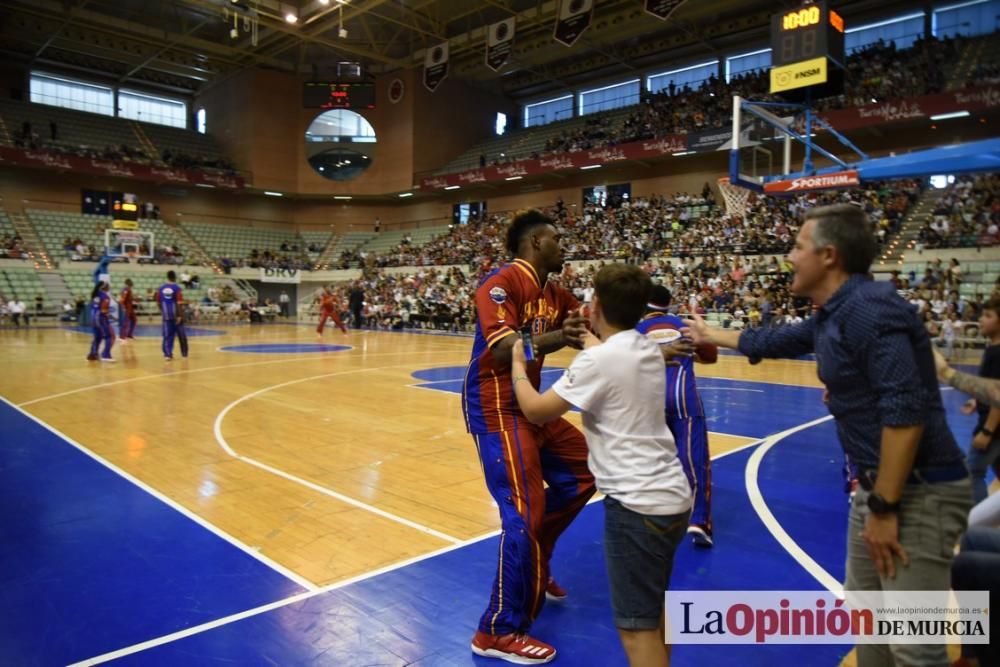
(639, 551)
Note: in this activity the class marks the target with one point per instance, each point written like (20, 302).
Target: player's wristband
(519, 377)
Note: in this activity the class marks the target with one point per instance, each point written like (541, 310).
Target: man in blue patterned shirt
(874, 356)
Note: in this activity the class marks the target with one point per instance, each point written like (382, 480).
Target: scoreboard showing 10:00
(807, 51)
(334, 95)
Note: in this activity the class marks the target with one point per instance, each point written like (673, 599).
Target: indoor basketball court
(270, 496)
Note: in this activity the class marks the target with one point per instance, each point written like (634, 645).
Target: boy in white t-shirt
(618, 385)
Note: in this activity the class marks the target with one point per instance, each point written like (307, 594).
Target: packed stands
(877, 72)
(966, 216)
(93, 135)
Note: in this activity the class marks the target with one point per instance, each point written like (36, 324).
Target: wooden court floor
(330, 464)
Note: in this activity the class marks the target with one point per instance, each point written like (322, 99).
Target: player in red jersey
(127, 315)
(328, 310)
(519, 458)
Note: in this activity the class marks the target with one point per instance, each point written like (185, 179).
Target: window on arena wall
(692, 76)
(901, 30)
(340, 144)
(71, 94)
(152, 109)
(977, 17)
(548, 111)
(201, 119)
(610, 97)
(747, 62)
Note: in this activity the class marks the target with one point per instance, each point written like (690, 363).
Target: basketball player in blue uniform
(684, 412)
(100, 319)
(170, 300)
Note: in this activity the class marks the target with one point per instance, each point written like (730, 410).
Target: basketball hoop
(736, 197)
(132, 258)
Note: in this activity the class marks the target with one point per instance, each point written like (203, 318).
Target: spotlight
(234, 33)
(291, 18)
(342, 33)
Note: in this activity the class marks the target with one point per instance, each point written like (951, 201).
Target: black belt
(952, 473)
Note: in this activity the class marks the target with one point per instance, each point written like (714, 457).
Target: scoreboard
(333, 95)
(807, 52)
(124, 211)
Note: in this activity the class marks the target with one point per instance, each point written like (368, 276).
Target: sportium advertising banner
(574, 18)
(499, 41)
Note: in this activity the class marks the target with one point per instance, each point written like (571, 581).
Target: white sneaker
(107, 360)
(700, 536)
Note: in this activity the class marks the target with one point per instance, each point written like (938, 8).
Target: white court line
(226, 620)
(704, 388)
(308, 585)
(298, 480)
(232, 618)
(159, 376)
(771, 523)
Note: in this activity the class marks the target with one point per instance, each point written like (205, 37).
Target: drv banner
(499, 41)
(287, 276)
(435, 66)
(574, 17)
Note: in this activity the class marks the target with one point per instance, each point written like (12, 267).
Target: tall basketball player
(170, 299)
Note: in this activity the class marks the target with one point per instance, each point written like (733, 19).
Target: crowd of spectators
(966, 216)
(713, 262)
(680, 224)
(875, 73)
(880, 72)
(288, 258)
(29, 138)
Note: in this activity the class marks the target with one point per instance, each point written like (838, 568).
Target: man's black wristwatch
(989, 433)
(879, 505)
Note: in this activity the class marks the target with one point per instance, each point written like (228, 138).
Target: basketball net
(736, 197)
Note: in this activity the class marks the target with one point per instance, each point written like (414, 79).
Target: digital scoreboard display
(331, 95)
(807, 51)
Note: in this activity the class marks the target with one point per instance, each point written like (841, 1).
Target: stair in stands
(33, 242)
(147, 145)
(190, 243)
(56, 288)
(906, 239)
(323, 261)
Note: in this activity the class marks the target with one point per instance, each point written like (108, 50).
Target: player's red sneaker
(515, 647)
(554, 591)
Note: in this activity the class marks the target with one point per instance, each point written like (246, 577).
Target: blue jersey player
(684, 412)
(170, 300)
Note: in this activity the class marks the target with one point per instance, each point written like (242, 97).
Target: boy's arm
(538, 408)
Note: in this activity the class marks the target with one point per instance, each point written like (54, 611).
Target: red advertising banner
(970, 99)
(638, 150)
(840, 179)
(142, 172)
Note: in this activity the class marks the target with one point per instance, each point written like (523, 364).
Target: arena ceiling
(186, 46)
